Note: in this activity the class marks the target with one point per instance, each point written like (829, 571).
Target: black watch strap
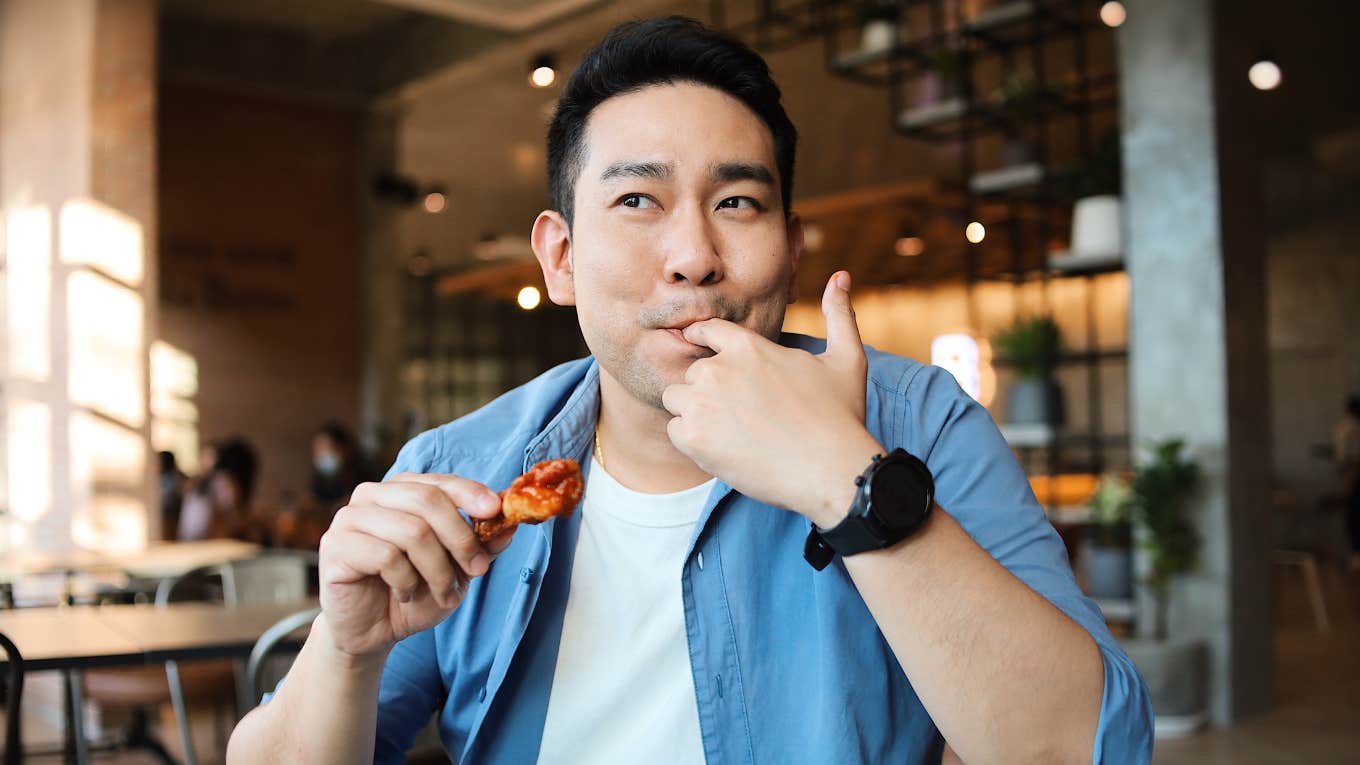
(862, 529)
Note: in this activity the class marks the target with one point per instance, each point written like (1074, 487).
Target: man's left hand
(780, 425)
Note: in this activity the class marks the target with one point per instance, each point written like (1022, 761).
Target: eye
(740, 203)
(638, 201)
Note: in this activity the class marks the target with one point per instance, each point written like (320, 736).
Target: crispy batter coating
(549, 489)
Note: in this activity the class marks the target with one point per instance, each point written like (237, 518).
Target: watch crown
(859, 480)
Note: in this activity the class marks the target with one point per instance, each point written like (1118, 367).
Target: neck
(636, 449)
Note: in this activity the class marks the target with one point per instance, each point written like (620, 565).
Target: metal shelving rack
(1001, 38)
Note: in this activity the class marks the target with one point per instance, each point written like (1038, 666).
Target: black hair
(339, 435)
(636, 54)
(237, 457)
(167, 460)
(1353, 406)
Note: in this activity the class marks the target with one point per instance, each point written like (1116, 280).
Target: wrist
(338, 658)
(831, 504)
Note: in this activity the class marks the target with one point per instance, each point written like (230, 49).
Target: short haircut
(637, 54)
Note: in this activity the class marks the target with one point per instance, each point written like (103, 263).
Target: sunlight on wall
(95, 235)
(107, 358)
(111, 524)
(174, 418)
(29, 426)
(29, 262)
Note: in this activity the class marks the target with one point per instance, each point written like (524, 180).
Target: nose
(691, 252)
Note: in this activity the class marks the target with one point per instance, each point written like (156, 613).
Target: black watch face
(897, 497)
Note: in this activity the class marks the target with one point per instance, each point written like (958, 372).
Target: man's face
(678, 218)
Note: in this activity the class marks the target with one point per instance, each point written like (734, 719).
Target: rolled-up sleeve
(981, 484)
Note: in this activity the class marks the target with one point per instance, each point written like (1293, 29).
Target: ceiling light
(1265, 74)
(975, 232)
(1113, 13)
(909, 246)
(543, 71)
(529, 298)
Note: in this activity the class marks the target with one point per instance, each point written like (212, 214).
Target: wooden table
(158, 561)
(75, 638)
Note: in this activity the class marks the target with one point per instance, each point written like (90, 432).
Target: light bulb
(528, 298)
(975, 232)
(1265, 75)
(1113, 13)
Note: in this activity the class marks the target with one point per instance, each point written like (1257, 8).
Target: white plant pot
(878, 36)
(1097, 226)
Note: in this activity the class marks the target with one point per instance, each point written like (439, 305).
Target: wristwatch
(896, 493)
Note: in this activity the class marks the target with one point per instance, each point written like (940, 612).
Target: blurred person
(1346, 452)
(171, 494)
(220, 503)
(789, 549)
(337, 466)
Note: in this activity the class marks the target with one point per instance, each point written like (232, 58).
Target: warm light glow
(1064, 490)
(529, 298)
(107, 366)
(542, 76)
(30, 459)
(1113, 13)
(1265, 75)
(975, 232)
(958, 354)
(909, 246)
(812, 237)
(112, 524)
(28, 243)
(105, 455)
(174, 418)
(434, 202)
(95, 235)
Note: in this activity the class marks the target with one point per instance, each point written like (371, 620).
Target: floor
(1316, 720)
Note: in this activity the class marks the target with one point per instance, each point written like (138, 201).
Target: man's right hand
(398, 558)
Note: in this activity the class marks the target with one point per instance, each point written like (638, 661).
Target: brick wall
(259, 267)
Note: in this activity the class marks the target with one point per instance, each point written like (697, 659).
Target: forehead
(689, 125)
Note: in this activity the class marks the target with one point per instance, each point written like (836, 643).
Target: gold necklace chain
(599, 450)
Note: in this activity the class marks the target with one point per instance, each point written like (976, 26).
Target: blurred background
(249, 247)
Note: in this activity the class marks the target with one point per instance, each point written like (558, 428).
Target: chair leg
(181, 711)
(75, 686)
(1314, 585)
(139, 737)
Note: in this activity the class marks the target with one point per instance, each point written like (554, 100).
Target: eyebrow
(721, 172)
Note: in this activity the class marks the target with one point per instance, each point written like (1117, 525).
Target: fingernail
(479, 564)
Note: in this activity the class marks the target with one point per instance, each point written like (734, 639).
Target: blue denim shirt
(789, 665)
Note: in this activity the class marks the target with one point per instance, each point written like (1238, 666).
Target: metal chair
(264, 648)
(14, 691)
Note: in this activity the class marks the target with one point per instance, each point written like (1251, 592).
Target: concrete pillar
(1197, 336)
(77, 201)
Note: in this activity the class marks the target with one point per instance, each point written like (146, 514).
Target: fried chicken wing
(549, 489)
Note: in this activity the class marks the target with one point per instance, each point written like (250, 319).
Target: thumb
(842, 333)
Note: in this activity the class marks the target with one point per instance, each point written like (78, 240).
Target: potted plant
(1162, 490)
(1017, 98)
(878, 26)
(1031, 347)
(1097, 228)
(1107, 560)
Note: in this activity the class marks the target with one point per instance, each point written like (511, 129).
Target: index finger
(717, 334)
(477, 499)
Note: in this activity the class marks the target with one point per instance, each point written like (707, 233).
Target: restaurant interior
(249, 248)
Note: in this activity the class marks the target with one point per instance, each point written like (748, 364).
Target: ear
(794, 234)
(551, 239)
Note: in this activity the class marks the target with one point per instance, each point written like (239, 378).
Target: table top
(160, 559)
(80, 637)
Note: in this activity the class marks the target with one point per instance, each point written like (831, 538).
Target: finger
(477, 499)
(718, 334)
(364, 555)
(842, 331)
(432, 504)
(700, 370)
(676, 398)
(414, 538)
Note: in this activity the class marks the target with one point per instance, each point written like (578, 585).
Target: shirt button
(481, 695)
(701, 561)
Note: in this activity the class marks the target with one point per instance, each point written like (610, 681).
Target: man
(675, 617)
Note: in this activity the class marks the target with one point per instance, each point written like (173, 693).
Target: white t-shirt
(623, 691)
